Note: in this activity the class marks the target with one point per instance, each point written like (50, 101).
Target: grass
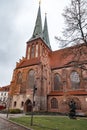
(52, 123)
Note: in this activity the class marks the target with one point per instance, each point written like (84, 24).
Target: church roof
(66, 57)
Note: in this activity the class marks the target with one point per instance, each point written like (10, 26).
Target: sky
(17, 21)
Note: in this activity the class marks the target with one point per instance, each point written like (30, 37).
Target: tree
(75, 30)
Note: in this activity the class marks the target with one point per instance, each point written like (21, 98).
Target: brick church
(56, 75)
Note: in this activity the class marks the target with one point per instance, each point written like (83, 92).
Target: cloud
(17, 21)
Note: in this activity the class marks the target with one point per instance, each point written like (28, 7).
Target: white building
(4, 95)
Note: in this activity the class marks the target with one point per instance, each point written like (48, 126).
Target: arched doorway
(28, 106)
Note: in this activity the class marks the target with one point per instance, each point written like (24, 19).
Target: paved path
(7, 125)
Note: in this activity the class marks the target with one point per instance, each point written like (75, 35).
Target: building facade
(57, 75)
(4, 96)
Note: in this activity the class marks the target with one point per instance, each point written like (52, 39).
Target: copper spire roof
(38, 32)
(38, 26)
(45, 33)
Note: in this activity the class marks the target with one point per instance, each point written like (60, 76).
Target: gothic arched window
(19, 78)
(57, 82)
(31, 79)
(54, 103)
(75, 80)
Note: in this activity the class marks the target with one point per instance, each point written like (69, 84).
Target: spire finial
(39, 2)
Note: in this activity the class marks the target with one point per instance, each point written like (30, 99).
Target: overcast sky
(17, 21)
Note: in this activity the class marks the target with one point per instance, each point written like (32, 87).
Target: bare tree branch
(75, 30)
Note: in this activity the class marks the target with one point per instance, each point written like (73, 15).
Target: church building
(54, 75)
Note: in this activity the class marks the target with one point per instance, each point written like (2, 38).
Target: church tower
(33, 70)
(38, 34)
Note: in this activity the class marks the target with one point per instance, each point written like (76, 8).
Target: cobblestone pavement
(6, 125)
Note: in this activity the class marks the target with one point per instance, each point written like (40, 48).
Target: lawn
(52, 123)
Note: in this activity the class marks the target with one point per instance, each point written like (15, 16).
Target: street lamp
(33, 103)
(8, 104)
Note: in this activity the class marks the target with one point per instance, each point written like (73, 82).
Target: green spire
(45, 33)
(38, 25)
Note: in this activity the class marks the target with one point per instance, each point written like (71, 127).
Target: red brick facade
(59, 76)
(45, 64)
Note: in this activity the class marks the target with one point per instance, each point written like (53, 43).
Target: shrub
(15, 111)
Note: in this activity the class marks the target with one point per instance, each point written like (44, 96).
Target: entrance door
(28, 106)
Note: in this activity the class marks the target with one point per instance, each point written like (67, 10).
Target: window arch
(15, 103)
(19, 78)
(75, 79)
(22, 104)
(57, 82)
(54, 103)
(31, 78)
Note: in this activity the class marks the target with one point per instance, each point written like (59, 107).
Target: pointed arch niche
(28, 106)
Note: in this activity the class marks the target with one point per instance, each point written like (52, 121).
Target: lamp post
(33, 103)
(8, 105)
